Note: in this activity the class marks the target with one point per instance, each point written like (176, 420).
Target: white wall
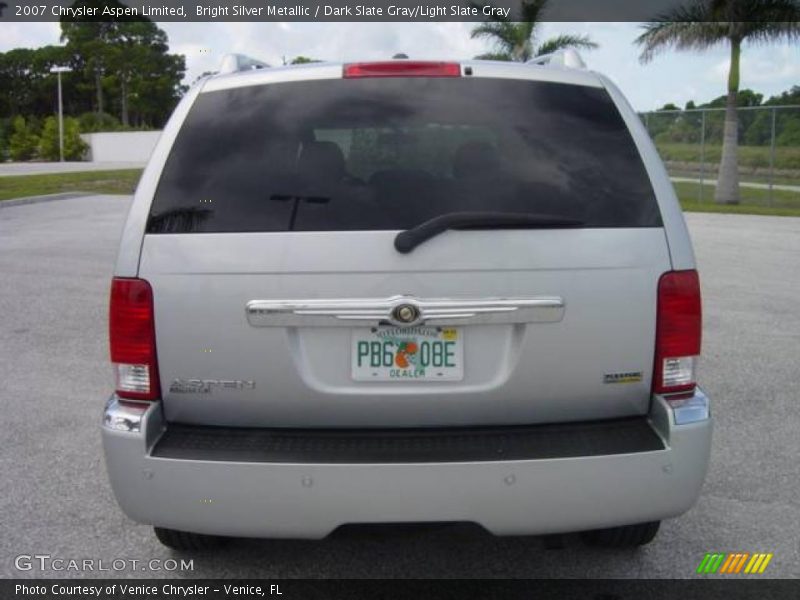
(121, 146)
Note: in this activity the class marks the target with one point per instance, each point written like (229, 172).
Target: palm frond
(700, 24)
(687, 26)
(681, 35)
(748, 11)
(503, 32)
(514, 36)
(524, 24)
(509, 38)
(530, 16)
(532, 11)
(763, 21)
(583, 42)
(504, 56)
(692, 11)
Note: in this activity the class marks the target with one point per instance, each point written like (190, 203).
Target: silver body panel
(505, 497)
(514, 371)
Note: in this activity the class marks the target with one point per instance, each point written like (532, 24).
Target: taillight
(402, 68)
(133, 339)
(678, 332)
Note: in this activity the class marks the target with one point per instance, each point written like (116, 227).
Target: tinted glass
(366, 154)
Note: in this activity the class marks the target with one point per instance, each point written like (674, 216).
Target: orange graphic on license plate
(405, 350)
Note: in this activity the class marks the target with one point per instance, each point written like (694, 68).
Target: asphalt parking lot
(56, 260)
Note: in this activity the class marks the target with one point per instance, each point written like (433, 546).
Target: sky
(671, 77)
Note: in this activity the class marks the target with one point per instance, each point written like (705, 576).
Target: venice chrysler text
(168, 589)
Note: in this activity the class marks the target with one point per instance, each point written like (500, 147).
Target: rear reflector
(678, 333)
(133, 339)
(402, 68)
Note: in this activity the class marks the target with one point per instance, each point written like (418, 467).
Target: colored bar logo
(734, 563)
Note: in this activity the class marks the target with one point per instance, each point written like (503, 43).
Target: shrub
(23, 141)
(790, 136)
(92, 122)
(74, 147)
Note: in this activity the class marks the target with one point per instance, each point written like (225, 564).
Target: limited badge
(627, 377)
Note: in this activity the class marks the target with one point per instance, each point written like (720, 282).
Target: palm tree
(702, 24)
(514, 40)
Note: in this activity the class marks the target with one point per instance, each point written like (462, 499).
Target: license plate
(408, 354)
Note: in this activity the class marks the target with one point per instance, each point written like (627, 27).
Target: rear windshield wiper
(409, 239)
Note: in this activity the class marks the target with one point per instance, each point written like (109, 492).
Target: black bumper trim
(364, 446)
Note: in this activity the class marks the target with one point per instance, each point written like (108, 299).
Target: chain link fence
(690, 143)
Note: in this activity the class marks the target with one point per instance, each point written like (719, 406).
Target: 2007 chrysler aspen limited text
(405, 291)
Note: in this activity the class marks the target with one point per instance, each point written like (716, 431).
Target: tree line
(122, 76)
(671, 124)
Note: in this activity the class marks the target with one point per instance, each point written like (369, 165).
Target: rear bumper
(241, 495)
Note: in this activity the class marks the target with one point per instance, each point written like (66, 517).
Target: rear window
(387, 154)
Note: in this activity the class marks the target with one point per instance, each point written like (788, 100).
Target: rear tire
(626, 536)
(186, 541)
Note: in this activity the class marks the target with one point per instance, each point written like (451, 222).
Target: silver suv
(405, 291)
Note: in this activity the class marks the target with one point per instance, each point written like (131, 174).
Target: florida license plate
(408, 354)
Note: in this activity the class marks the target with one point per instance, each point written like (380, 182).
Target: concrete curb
(45, 198)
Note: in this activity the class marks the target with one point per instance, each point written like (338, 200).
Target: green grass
(753, 201)
(96, 182)
(742, 209)
(710, 175)
(786, 157)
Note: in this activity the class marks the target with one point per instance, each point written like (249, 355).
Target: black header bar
(416, 11)
(411, 589)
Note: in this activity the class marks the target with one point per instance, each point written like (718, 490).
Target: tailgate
(591, 359)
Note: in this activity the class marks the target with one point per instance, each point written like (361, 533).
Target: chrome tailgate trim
(374, 311)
